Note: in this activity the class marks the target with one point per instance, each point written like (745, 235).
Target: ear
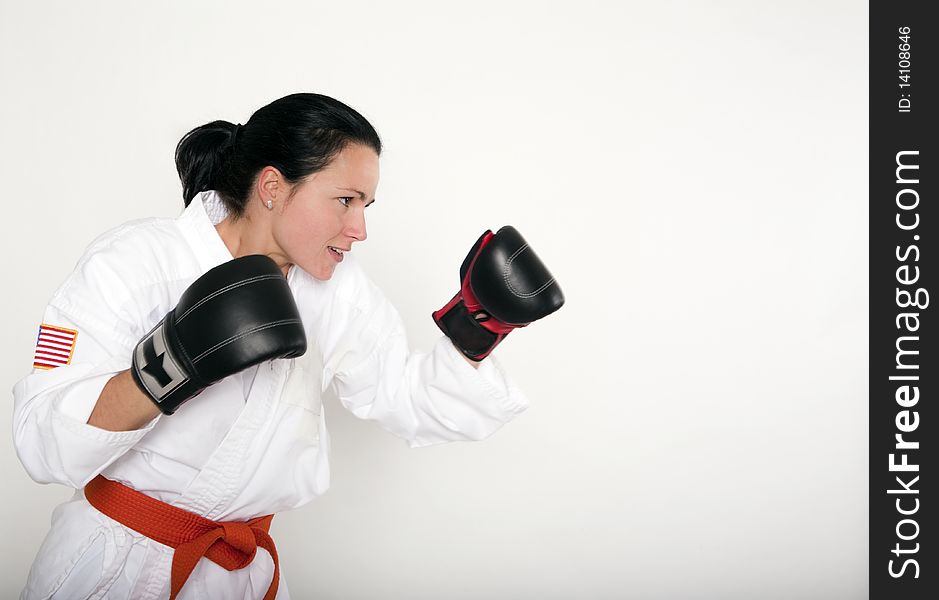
(270, 184)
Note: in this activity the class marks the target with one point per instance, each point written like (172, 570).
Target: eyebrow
(361, 195)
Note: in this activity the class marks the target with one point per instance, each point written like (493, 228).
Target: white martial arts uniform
(252, 444)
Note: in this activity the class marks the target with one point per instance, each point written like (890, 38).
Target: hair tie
(234, 133)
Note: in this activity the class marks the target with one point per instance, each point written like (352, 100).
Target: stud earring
(270, 204)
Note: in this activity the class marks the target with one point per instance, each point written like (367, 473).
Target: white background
(694, 175)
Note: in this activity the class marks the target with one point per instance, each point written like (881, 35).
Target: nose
(355, 227)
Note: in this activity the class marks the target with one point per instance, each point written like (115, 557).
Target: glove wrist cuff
(471, 338)
(158, 371)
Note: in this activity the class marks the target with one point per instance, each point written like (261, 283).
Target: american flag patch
(54, 347)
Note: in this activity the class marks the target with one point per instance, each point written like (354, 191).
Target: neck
(242, 238)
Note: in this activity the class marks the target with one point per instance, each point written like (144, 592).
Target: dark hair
(298, 134)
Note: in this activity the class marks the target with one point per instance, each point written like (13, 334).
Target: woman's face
(326, 214)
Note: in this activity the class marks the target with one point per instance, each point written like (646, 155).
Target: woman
(178, 372)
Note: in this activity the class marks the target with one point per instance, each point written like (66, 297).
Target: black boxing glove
(236, 315)
(503, 286)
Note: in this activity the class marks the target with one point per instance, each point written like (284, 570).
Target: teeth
(337, 250)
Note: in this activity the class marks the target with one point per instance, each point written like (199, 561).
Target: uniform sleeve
(52, 405)
(423, 397)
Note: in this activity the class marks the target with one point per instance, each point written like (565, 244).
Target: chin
(322, 273)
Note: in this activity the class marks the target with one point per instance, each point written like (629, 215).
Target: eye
(346, 200)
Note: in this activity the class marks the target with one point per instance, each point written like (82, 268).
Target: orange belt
(229, 544)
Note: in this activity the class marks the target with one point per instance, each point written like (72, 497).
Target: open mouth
(336, 252)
